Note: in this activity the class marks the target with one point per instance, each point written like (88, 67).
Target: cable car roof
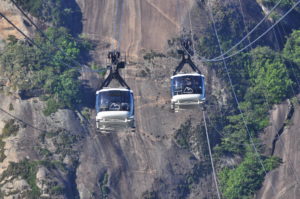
(113, 89)
(187, 74)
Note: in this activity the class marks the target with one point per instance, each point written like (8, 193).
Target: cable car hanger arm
(114, 70)
(186, 59)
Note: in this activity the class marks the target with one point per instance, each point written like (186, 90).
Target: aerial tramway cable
(22, 121)
(35, 44)
(216, 59)
(220, 58)
(85, 69)
(115, 105)
(289, 163)
(20, 31)
(211, 157)
(235, 97)
(247, 35)
(259, 37)
(281, 142)
(204, 116)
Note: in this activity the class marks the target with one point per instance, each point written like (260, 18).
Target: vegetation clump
(10, 128)
(151, 55)
(183, 134)
(268, 82)
(104, 189)
(243, 181)
(57, 12)
(2, 155)
(52, 75)
(26, 170)
(150, 195)
(261, 77)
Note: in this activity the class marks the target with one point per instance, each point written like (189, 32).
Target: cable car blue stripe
(203, 86)
(172, 87)
(131, 105)
(97, 103)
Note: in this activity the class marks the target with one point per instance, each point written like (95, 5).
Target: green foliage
(26, 170)
(260, 78)
(289, 23)
(104, 189)
(44, 152)
(200, 170)
(149, 195)
(151, 55)
(292, 47)
(51, 74)
(2, 155)
(86, 112)
(230, 27)
(56, 12)
(10, 128)
(64, 142)
(52, 107)
(267, 82)
(57, 190)
(269, 75)
(11, 107)
(284, 4)
(246, 178)
(182, 135)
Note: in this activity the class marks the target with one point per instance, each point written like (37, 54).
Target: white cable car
(187, 89)
(114, 106)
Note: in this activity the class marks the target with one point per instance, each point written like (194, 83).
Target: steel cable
(235, 97)
(211, 157)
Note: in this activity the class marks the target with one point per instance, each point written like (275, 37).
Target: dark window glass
(187, 85)
(114, 101)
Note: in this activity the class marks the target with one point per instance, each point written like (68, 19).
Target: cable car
(187, 89)
(114, 106)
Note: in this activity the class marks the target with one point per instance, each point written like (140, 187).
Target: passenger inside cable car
(187, 90)
(114, 105)
(114, 100)
(115, 108)
(187, 84)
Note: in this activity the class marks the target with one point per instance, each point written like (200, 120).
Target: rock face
(15, 17)
(134, 25)
(77, 161)
(283, 182)
(70, 159)
(38, 150)
(148, 161)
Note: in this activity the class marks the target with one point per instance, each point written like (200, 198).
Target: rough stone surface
(148, 159)
(15, 17)
(283, 182)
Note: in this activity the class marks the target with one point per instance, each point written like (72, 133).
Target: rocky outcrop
(15, 17)
(283, 182)
(133, 25)
(70, 159)
(43, 152)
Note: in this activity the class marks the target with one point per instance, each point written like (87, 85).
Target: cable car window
(114, 101)
(187, 85)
